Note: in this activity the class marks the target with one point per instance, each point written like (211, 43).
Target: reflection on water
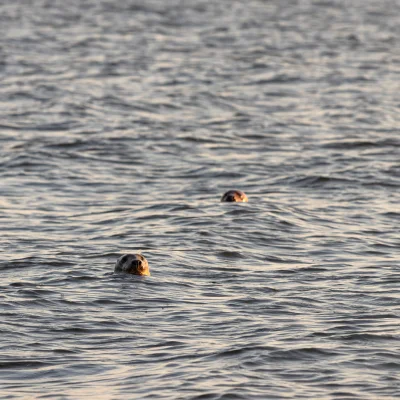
(123, 125)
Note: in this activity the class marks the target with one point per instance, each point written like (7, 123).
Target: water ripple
(122, 126)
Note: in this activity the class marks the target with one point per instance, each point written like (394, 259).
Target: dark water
(123, 122)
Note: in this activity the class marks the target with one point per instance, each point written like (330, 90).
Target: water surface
(122, 125)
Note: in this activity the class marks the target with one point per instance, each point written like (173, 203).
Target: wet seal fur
(135, 264)
(235, 196)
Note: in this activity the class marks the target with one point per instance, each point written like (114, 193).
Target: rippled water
(122, 125)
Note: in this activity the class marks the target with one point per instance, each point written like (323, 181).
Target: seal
(236, 196)
(134, 264)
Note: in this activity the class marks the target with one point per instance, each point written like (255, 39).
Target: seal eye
(123, 258)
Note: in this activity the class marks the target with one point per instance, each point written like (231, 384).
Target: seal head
(235, 196)
(134, 264)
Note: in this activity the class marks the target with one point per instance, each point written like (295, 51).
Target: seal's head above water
(236, 196)
(132, 264)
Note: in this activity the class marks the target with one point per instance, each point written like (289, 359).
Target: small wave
(275, 79)
(227, 254)
(240, 351)
(319, 181)
(368, 337)
(283, 260)
(306, 353)
(359, 144)
(28, 364)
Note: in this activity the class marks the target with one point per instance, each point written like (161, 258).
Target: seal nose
(138, 266)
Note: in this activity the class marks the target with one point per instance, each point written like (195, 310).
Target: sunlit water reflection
(123, 124)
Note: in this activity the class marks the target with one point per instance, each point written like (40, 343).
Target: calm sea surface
(123, 123)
